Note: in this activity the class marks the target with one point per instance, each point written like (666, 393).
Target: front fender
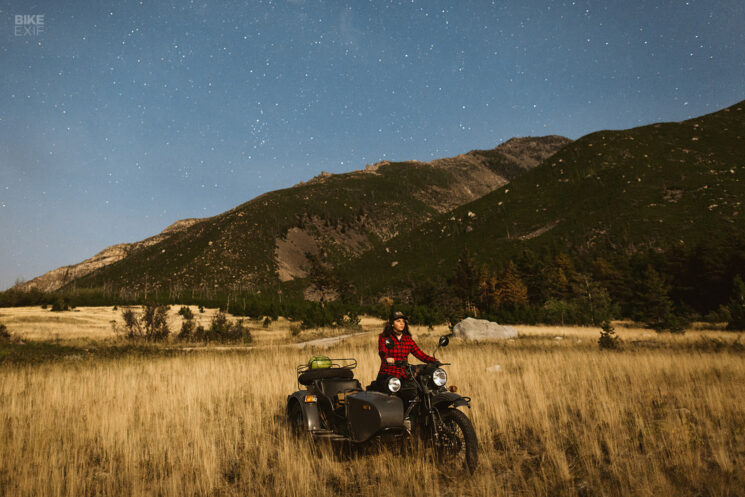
(447, 399)
(311, 418)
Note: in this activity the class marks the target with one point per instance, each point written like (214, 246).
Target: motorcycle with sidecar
(331, 405)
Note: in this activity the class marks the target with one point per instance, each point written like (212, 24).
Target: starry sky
(118, 118)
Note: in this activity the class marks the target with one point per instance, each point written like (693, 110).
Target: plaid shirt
(404, 346)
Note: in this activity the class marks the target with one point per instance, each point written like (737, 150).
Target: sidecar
(331, 404)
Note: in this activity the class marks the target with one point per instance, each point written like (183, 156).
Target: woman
(397, 329)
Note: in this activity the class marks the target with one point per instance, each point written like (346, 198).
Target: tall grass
(558, 418)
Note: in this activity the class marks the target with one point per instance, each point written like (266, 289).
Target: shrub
(608, 338)
(201, 309)
(223, 330)
(188, 329)
(4, 333)
(672, 323)
(151, 324)
(154, 318)
(131, 324)
(267, 322)
(43, 306)
(60, 305)
(186, 313)
(295, 329)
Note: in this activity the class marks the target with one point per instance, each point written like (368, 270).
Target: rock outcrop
(481, 329)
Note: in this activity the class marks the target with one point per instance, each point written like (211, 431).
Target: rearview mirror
(444, 341)
(389, 344)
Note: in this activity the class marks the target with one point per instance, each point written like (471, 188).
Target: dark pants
(407, 393)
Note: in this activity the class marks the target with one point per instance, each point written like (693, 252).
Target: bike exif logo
(29, 25)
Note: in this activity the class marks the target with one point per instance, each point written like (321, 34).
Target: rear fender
(311, 417)
(444, 400)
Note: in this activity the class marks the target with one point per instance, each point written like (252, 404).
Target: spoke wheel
(458, 447)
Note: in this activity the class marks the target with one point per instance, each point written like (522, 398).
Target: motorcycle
(332, 406)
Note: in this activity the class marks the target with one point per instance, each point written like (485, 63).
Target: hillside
(334, 217)
(655, 187)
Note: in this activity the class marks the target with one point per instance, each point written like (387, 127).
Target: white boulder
(481, 329)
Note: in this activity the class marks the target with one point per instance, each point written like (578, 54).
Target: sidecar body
(331, 404)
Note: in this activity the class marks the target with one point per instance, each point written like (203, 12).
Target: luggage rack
(348, 363)
(339, 369)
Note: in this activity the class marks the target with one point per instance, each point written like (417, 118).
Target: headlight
(394, 384)
(439, 377)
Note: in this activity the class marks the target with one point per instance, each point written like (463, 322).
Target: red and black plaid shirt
(405, 345)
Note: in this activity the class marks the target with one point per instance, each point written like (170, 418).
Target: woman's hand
(390, 360)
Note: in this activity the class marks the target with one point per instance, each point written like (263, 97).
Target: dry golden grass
(560, 418)
(95, 323)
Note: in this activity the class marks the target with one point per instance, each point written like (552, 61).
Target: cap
(397, 315)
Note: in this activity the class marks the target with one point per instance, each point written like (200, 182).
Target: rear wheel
(295, 418)
(458, 447)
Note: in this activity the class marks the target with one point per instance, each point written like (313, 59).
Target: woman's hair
(388, 329)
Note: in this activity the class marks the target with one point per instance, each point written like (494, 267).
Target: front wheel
(457, 447)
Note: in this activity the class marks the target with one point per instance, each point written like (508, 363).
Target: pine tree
(320, 276)
(654, 304)
(465, 281)
(512, 291)
(487, 291)
(608, 338)
(736, 305)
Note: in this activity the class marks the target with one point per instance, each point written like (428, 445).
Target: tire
(295, 418)
(460, 450)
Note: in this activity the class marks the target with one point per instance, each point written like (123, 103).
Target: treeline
(664, 289)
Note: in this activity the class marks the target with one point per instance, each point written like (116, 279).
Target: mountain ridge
(647, 188)
(335, 231)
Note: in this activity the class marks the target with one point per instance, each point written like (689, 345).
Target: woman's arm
(385, 354)
(419, 354)
(382, 351)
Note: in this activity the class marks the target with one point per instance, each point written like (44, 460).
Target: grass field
(560, 417)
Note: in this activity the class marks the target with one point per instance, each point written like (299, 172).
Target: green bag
(319, 362)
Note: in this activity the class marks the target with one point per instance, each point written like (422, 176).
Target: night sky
(119, 118)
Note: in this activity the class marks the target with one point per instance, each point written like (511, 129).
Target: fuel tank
(370, 412)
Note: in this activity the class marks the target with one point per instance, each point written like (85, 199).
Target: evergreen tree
(321, 277)
(511, 290)
(608, 338)
(736, 305)
(488, 297)
(558, 278)
(465, 282)
(654, 307)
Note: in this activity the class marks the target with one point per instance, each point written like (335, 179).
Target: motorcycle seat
(307, 378)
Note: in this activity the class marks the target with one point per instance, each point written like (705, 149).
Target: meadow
(559, 416)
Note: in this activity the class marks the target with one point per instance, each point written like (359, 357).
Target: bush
(186, 313)
(4, 333)
(151, 324)
(267, 322)
(131, 324)
(154, 319)
(60, 305)
(608, 338)
(223, 330)
(188, 329)
(295, 329)
(671, 323)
